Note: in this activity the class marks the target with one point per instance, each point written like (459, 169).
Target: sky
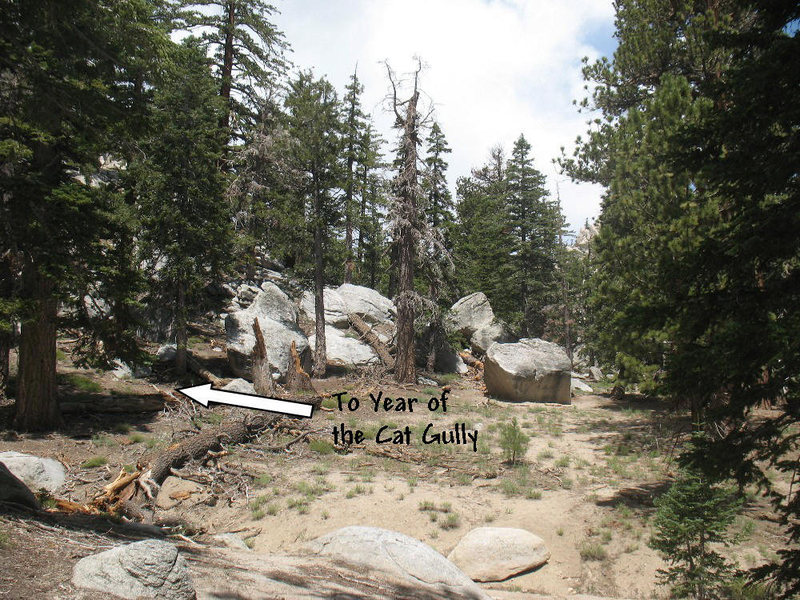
(493, 69)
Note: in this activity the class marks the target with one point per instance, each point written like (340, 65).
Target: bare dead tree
(405, 224)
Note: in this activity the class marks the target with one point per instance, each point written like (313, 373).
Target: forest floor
(586, 484)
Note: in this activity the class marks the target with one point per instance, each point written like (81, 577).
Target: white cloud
(494, 69)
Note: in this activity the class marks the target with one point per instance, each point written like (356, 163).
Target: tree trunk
(37, 404)
(6, 336)
(320, 352)
(262, 376)
(181, 335)
(405, 363)
(227, 62)
(362, 217)
(297, 380)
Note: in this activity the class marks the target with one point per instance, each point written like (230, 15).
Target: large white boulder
(335, 307)
(35, 472)
(343, 351)
(366, 303)
(277, 316)
(470, 314)
(496, 331)
(531, 370)
(497, 553)
(147, 569)
(400, 557)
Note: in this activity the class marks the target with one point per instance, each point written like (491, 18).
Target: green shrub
(593, 551)
(95, 461)
(513, 441)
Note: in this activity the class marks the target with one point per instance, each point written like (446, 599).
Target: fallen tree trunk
(233, 432)
(365, 331)
(470, 360)
(262, 376)
(195, 367)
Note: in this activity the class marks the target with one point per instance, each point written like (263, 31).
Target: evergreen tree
(247, 49)
(691, 519)
(372, 210)
(67, 85)
(439, 208)
(354, 132)
(186, 235)
(535, 225)
(483, 246)
(313, 116)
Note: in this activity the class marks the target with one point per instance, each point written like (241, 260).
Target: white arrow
(205, 394)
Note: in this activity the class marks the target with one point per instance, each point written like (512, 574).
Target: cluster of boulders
(283, 322)
(156, 569)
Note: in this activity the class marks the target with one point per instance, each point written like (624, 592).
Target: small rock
(577, 384)
(142, 371)
(166, 353)
(241, 386)
(147, 569)
(595, 374)
(35, 472)
(121, 369)
(497, 553)
(426, 381)
(231, 540)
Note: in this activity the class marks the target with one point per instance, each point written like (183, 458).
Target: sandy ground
(586, 484)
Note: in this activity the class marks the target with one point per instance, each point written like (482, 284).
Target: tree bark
(320, 351)
(227, 61)
(405, 363)
(6, 336)
(37, 403)
(297, 380)
(181, 335)
(262, 376)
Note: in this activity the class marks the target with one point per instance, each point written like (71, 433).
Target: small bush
(321, 447)
(513, 441)
(452, 521)
(593, 551)
(95, 461)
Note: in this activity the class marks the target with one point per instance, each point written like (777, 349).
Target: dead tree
(406, 226)
(297, 380)
(262, 376)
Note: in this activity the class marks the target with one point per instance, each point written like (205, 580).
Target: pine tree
(439, 208)
(691, 519)
(186, 234)
(313, 112)
(68, 85)
(247, 49)
(535, 228)
(354, 132)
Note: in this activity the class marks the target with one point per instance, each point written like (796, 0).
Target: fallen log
(117, 404)
(365, 331)
(470, 360)
(195, 367)
(262, 376)
(237, 431)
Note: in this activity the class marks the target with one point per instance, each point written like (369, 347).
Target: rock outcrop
(470, 314)
(396, 555)
(345, 352)
(497, 553)
(531, 370)
(483, 338)
(335, 307)
(147, 569)
(12, 490)
(367, 303)
(277, 316)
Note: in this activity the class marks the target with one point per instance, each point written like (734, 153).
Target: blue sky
(493, 69)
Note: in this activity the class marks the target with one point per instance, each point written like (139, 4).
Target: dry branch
(297, 380)
(470, 360)
(262, 376)
(195, 367)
